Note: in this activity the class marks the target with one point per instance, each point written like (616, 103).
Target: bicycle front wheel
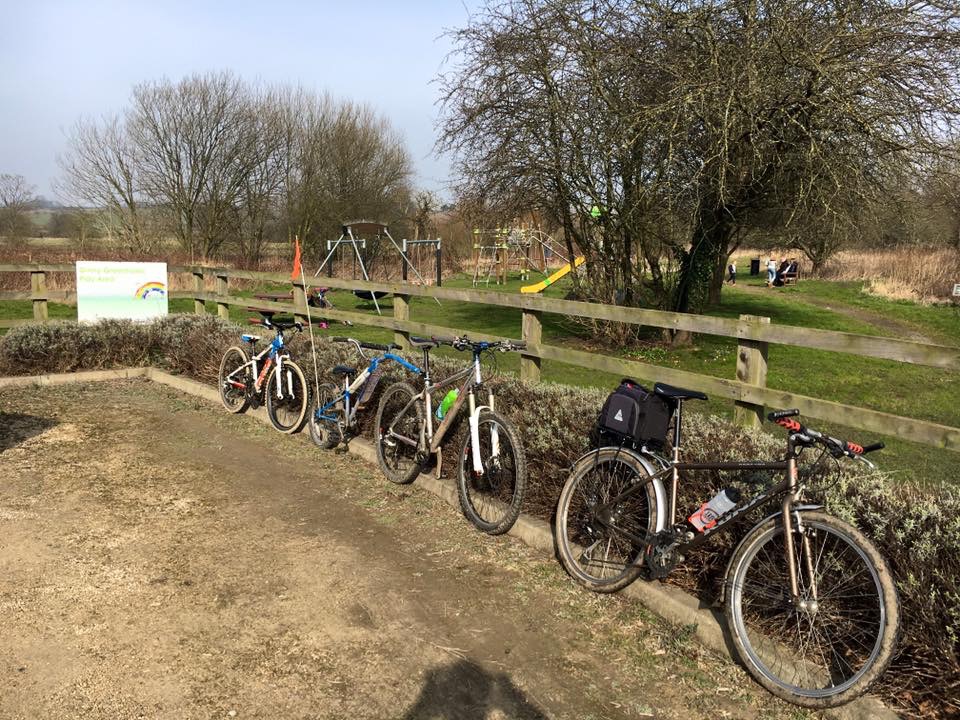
(592, 532)
(491, 498)
(234, 379)
(398, 427)
(826, 649)
(287, 397)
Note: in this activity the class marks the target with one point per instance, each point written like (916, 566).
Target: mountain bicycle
(809, 601)
(249, 379)
(335, 408)
(492, 469)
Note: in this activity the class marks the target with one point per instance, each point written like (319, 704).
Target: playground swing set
(362, 236)
(498, 251)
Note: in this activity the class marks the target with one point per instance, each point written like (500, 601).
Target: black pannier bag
(634, 414)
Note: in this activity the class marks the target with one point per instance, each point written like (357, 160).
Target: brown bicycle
(810, 603)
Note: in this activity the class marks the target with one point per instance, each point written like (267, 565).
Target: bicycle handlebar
(465, 343)
(367, 345)
(835, 446)
(278, 325)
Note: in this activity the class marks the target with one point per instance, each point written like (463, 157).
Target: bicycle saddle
(250, 338)
(344, 370)
(421, 342)
(669, 392)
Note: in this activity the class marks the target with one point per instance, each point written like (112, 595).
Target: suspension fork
(793, 572)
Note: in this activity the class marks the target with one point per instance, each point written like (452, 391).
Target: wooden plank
(920, 431)
(401, 312)
(38, 267)
(38, 288)
(55, 295)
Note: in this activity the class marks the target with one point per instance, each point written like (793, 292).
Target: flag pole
(313, 347)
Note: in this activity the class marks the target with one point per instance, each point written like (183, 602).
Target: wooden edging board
(668, 602)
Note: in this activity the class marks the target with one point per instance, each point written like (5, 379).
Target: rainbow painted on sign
(151, 289)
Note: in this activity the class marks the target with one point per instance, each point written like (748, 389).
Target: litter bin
(754, 266)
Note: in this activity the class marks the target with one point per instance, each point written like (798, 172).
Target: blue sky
(60, 61)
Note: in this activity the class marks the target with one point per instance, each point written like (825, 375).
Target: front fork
(789, 516)
(475, 433)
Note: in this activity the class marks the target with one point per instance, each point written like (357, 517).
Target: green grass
(909, 390)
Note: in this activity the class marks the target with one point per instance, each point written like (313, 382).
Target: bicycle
(492, 470)
(810, 603)
(278, 382)
(335, 410)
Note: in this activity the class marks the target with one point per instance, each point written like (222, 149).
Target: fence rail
(753, 334)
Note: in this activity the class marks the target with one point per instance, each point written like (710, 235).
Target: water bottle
(449, 399)
(712, 510)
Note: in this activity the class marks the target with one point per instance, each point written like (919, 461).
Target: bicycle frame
(274, 352)
(430, 438)
(350, 389)
(789, 488)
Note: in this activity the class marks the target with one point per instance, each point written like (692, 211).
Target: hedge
(917, 530)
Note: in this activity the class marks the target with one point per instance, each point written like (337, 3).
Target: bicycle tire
(770, 634)
(325, 434)
(234, 399)
(295, 401)
(499, 490)
(596, 478)
(399, 461)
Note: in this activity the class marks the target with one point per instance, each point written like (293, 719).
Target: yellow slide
(541, 286)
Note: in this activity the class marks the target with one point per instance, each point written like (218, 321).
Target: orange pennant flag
(297, 268)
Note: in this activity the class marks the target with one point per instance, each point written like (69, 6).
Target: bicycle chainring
(661, 555)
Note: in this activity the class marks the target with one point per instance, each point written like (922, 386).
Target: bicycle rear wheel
(589, 545)
(491, 499)
(828, 650)
(398, 426)
(325, 430)
(234, 379)
(287, 397)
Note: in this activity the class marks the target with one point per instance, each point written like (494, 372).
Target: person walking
(771, 271)
(732, 269)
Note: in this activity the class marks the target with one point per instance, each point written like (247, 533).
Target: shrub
(917, 531)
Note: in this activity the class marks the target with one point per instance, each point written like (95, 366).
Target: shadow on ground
(17, 427)
(463, 691)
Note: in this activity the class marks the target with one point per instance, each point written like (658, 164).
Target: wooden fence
(754, 334)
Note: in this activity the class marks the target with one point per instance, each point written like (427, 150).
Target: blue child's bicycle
(335, 409)
(250, 378)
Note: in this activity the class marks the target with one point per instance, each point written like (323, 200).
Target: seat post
(674, 473)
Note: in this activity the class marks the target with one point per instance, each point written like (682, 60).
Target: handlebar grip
(875, 446)
(340, 339)
(779, 414)
(374, 346)
(519, 345)
(394, 346)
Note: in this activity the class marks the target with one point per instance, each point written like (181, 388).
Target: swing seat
(370, 294)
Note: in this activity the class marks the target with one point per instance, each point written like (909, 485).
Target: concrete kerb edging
(670, 603)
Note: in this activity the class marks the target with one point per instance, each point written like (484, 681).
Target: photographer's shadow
(15, 428)
(463, 691)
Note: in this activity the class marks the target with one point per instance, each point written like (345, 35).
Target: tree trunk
(699, 263)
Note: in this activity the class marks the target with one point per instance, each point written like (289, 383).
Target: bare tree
(16, 196)
(653, 127)
(100, 169)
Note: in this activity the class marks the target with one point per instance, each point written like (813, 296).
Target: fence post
(199, 304)
(532, 335)
(38, 288)
(752, 369)
(401, 311)
(223, 309)
(299, 302)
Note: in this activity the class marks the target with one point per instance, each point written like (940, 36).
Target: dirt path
(159, 558)
(894, 326)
